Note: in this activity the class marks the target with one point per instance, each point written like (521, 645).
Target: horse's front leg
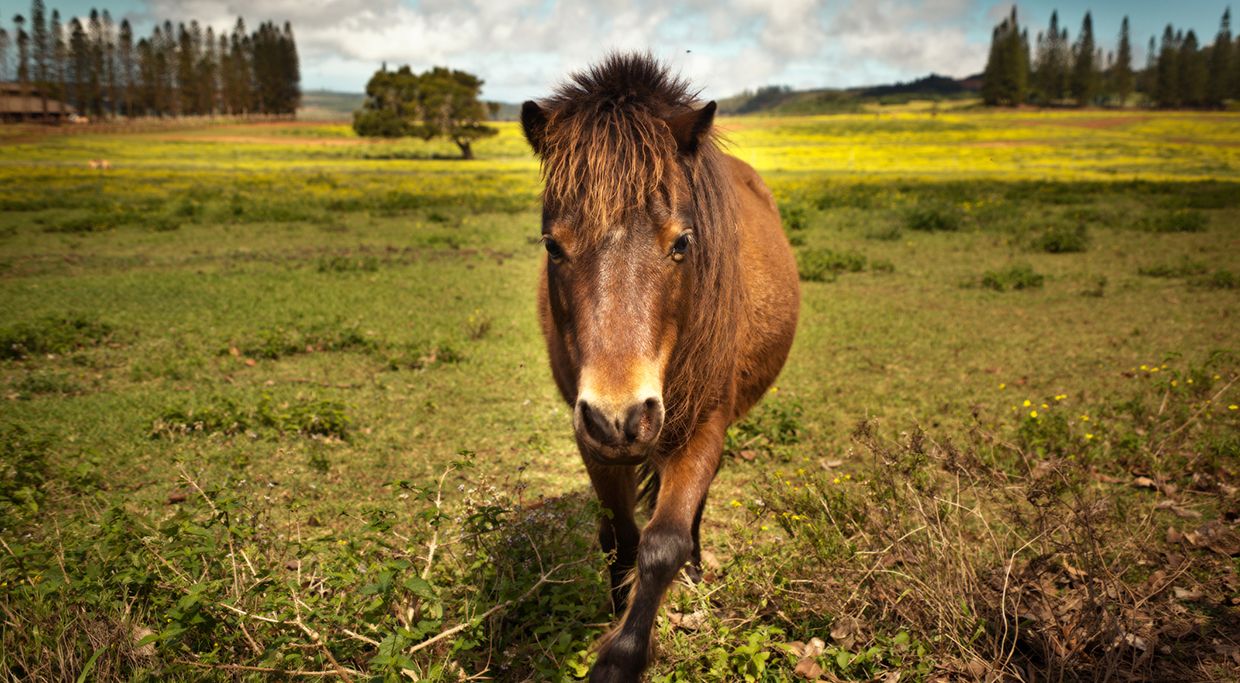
(616, 488)
(666, 544)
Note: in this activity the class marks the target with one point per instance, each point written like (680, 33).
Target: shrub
(794, 216)
(1061, 239)
(1018, 276)
(52, 334)
(23, 471)
(824, 265)
(1184, 268)
(1182, 220)
(889, 233)
(1219, 279)
(934, 218)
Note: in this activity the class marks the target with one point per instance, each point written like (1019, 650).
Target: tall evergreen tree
(1006, 78)
(60, 54)
(1167, 90)
(1222, 63)
(4, 54)
(79, 65)
(1053, 63)
(23, 49)
(187, 92)
(1121, 70)
(40, 51)
(1084, 82)
(208, 74)
(126, 71)
(1192, 72)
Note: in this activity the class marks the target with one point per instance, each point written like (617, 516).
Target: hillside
(786, 101)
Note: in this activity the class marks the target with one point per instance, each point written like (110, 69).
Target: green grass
(293, 363)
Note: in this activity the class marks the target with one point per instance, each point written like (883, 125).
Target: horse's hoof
(693, 574)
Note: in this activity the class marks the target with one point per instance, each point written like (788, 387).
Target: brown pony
(668, 300)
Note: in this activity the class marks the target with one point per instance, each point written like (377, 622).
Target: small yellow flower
(1084, 418)
(1002, 386)
(835, 480)
(736, 503)
(1144, 366)
(764, 527)
(1089, 437)
(1175, 383)
(1033, 413)
(1190, 380)
(1154, 369)
(1216, 377)
(847, 477)
(1233, 407)
(1027, 403)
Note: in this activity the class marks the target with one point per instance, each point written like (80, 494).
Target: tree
(1221, 64)
(126, 68)
(4, 54)
(1053, 63)
(1192, 72)
(1167, 74)
(59, 56)
(1084, 65)
(1121, 71)
(440, 102)
(40, 47)
(1006, 77)
(23, 49)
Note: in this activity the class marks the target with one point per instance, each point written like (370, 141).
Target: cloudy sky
(522, 47)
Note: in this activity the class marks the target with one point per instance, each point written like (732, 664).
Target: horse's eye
(681, 246)
(553, 249)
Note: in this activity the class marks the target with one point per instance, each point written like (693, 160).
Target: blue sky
(522, 47)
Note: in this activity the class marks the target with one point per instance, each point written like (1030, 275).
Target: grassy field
(274, 403)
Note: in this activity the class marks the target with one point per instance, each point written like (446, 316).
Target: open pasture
(273, 399)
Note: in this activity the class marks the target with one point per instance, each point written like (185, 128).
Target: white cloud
(522, 47)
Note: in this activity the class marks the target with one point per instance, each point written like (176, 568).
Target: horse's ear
(691, 126)
(534, 123)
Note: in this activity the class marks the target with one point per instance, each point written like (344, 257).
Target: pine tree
(1192, 72)
(1167, 93)
(107, 46)
(95, 51)
(4, 54)
(60, 52)
(79, 64)
(126, 68)
(40, 49)
(208, 74)
(23, 49)
(1121, 71)
(1221, 64)
(1005, 80)
(187, 94)
(1053, 63)
(1084, 65)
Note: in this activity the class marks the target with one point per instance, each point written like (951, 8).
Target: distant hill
(778, 99)
(328, 105)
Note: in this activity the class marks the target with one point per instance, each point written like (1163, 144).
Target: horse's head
(625, 262)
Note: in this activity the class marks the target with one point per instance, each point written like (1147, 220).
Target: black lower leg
(620, 541)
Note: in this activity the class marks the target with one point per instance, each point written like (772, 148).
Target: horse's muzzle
(619, 435)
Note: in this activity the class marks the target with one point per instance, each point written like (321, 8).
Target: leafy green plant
(825, 265)
(1014, 277)
(1061, 239)
(52, 334)
(934, 218)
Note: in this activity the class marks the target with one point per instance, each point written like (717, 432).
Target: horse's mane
(606, 151)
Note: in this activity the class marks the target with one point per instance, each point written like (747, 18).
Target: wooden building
(22, 103)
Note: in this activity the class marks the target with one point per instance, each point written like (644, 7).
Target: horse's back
(772, 293)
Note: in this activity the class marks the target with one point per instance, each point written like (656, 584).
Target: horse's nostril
(596, 424)
(643, 421)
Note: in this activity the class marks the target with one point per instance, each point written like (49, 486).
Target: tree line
(1179, 71)
(101, 68)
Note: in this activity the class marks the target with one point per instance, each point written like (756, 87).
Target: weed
(348, 264)
(1181, 220)
(1061, 239)
(52, 334)
(794, 215)
(1097, 287)
(422, 356)
(1219, 279)
(773, 426)
(825, 265)
(882, 266)
(278, 342)
(228, 417)
(934, 218)
(23, 471)
(1016, 276)
(888, 233)
(1184, 268)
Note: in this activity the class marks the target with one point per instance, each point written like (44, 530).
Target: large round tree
(440, 102)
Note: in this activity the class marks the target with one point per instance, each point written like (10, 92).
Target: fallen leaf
(748, 455)
(814, 647)
(1186, 594)
(1144, 483)
(688, 622)
(808, 669)
(178, 496)
(831, 464)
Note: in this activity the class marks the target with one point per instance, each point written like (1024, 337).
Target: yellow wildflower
(1033, 413)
